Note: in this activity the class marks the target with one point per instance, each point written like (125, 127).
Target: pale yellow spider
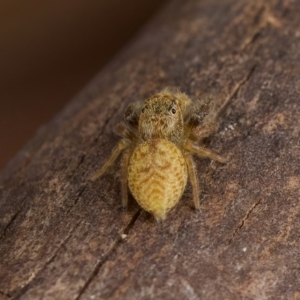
(159, 138)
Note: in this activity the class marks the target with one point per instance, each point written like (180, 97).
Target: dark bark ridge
(62, 237)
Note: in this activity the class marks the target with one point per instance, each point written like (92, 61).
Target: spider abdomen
(157, 176)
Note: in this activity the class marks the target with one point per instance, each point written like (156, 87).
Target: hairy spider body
(157, 175)
(159, 138)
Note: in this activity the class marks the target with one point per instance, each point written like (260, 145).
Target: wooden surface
(63, 237)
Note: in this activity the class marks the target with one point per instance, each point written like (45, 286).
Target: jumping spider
(159, 138)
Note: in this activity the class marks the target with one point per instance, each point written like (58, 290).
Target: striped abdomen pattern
(157, 175)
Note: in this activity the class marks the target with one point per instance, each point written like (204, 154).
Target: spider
(159, 139)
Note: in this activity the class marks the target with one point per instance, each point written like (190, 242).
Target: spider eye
(173, 111)
(143, 110)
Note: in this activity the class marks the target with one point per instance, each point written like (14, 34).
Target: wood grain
(63, 237)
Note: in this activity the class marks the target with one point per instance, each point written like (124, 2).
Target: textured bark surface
(63, 237)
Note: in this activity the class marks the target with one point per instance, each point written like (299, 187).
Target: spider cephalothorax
(161, 118)
(158, 140)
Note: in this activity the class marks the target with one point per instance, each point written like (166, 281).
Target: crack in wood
(244, 220)
(8, 296)
(81, 159)
(21, 292)
(81, 190)
(10, 223)
(106, 123)
(262, 18)
(106, 256)
(62, 245)
(253, 38)
(260, 21)
(234, 92)
(31, 282)
(13, 219)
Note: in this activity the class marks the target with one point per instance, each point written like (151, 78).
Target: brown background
(49, 50)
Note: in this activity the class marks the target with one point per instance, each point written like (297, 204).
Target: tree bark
(63, 237)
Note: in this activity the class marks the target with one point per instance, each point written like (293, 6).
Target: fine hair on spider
(158, 140)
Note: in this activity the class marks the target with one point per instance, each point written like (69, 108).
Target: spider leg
(124, 182)
(203, 131)
(201, 151)
(192, 171)
(115, 153)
